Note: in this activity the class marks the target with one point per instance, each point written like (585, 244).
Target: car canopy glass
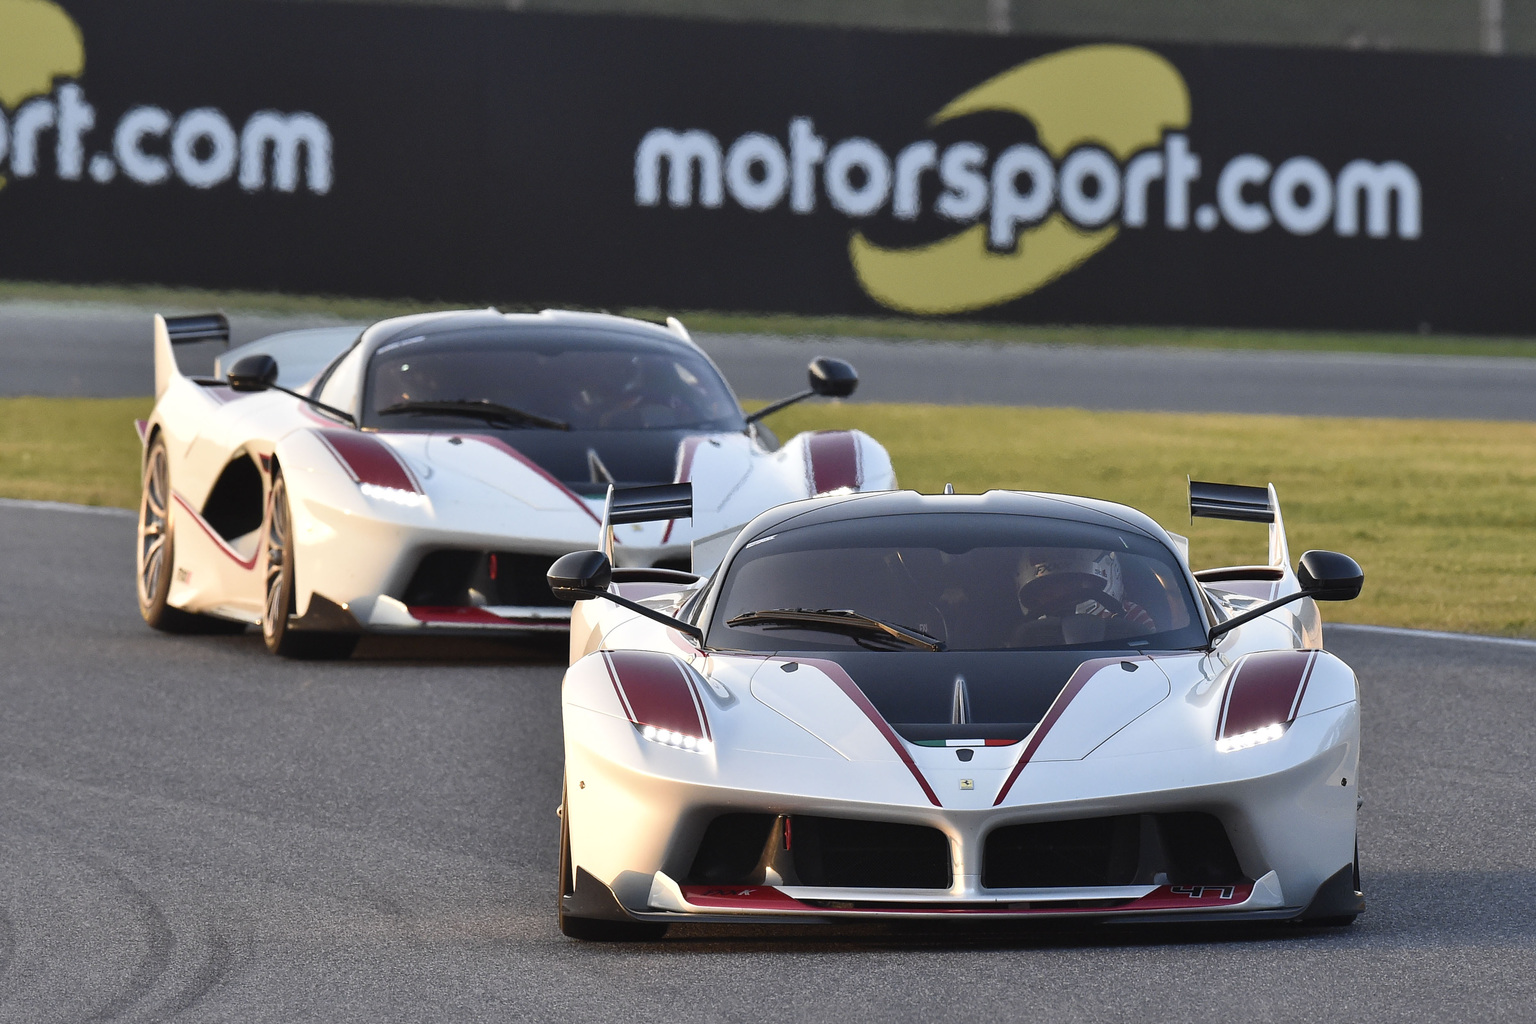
(554, 379)
(955, 581)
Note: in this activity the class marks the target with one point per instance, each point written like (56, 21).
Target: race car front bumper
(785, 902)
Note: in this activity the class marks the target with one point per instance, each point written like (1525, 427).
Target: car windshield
(566, 380)
(972, 581)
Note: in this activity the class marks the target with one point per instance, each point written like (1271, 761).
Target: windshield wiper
(480, 408)
(839, 620)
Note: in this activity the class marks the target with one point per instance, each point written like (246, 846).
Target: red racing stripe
(369, 460)
(1265, 689)
(685, 458)
(656, 689)
(506, 449)
(835, 672)
(684, 472)
(1086, 671)
(223, 545)
(833, 457)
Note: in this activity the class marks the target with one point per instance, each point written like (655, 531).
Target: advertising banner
(453, 154)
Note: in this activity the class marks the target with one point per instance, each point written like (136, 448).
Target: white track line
(64, 506)
(1432, 634)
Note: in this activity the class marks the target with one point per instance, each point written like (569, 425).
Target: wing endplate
(652, 503)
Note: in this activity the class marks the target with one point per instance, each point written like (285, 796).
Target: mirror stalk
(316, 403)
(783, 403)
(1222, 628)
(258, 372)
(687, 628)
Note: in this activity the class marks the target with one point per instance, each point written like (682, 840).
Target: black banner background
(491, 156)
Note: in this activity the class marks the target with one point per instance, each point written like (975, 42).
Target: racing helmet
(1050, 578)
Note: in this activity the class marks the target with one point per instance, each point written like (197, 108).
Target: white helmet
(1102, 566)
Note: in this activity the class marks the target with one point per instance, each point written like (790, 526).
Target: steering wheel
(1059, 593)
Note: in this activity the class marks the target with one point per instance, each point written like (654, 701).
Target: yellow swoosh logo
(38, 43)
(1120, 97)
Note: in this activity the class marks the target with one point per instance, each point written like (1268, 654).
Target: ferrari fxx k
(421, 474)
(1009, 706)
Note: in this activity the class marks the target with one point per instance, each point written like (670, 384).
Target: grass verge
(1439, 513)
(166, 299)
(82, 450)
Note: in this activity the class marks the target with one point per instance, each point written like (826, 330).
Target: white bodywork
(366, 505)
(1128, 735)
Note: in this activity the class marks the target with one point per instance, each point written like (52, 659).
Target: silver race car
(420, 475)
(1002, 706)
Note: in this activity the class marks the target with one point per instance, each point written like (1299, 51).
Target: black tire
(589, 929)
(155, 554)
(278, 605)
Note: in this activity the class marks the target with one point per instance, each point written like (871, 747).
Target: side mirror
(833, 378)
(830, 378)
(1330, 576)
(583, 575)
(253, 373)
(1323, 575)
(580, 575)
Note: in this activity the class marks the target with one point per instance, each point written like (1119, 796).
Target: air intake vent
(844, 853)
(1128, 849)
(456, 578)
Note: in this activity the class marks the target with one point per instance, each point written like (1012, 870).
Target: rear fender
(727, 494)
(829, 461)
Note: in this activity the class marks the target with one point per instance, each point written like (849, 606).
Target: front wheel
(278, 608)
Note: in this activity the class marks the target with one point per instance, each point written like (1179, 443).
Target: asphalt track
(191, 830)
(100, 350)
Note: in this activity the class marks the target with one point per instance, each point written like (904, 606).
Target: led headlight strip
(1251, 738)
(393, 495)
(676, 739)
(661, 698)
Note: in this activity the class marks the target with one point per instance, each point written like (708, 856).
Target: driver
(1057, 582)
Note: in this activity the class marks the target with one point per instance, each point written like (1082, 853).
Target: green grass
(894, 328)
(1439, 513)
(82, 450)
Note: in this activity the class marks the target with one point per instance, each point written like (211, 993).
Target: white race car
(421, 474)
(1002, 706)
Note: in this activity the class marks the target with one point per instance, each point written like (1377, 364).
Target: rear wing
(650, 504)
(1246, 505)
(184, 330)
(171, 331)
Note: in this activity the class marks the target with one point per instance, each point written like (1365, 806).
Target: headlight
(676, 739)
(410, 499)
(1253, 738)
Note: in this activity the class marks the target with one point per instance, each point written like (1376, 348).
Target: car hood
(1079, 698)
(631, 456)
